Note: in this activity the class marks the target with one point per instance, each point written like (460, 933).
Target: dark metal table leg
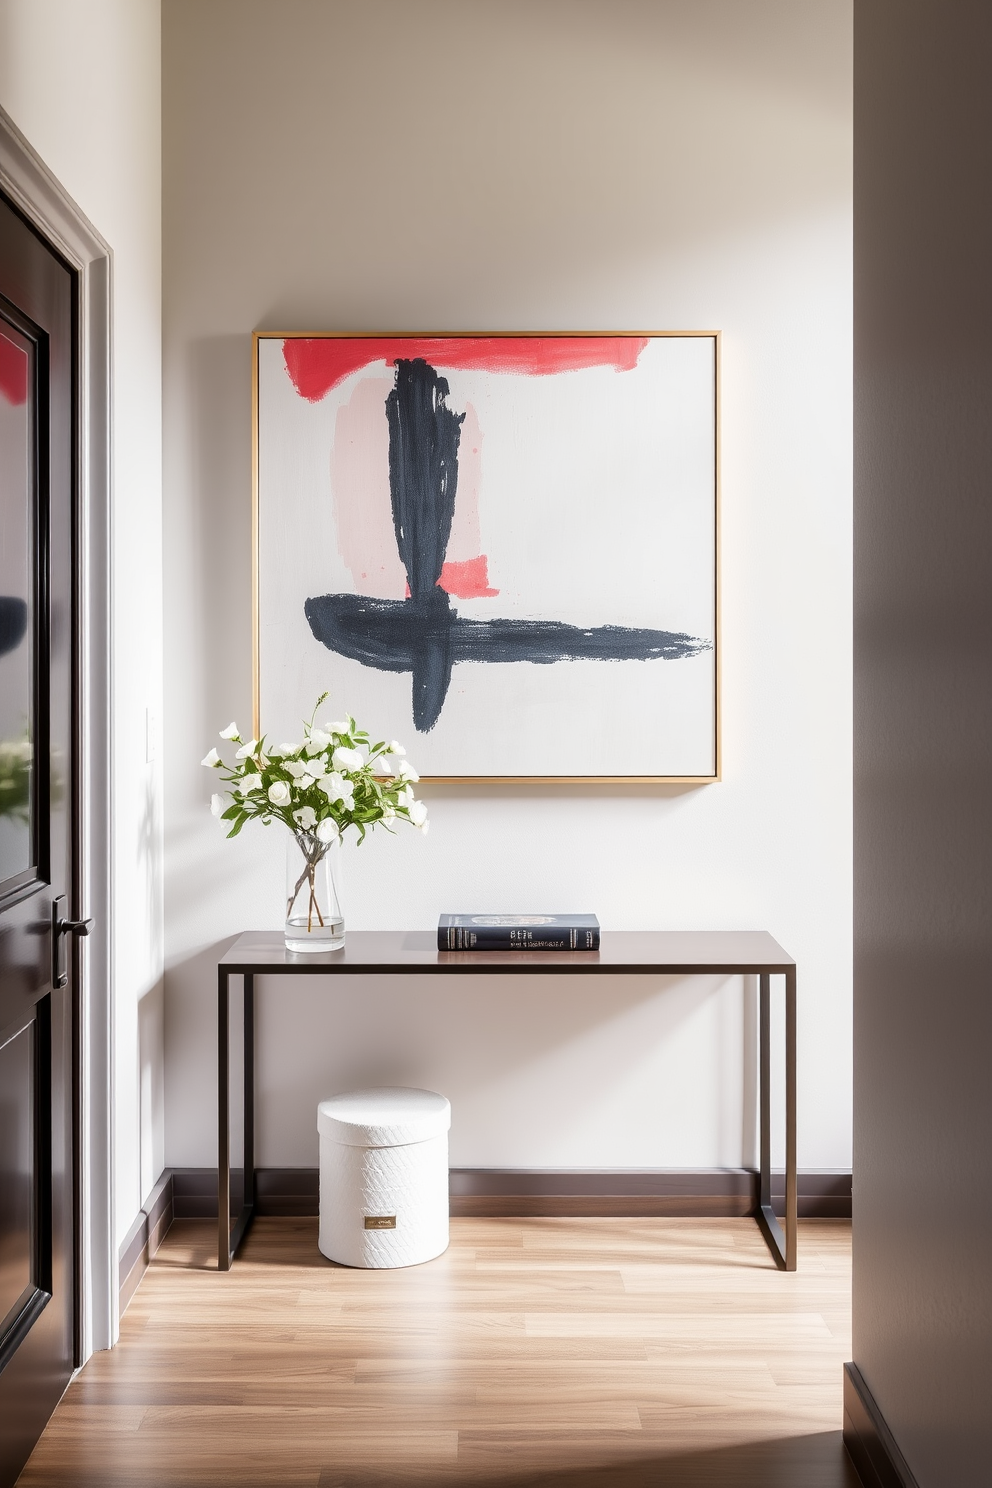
(249, 1107)
(766, 1216)
(223, 1124)
(764, 1093)
(791, 1174)
(247, 1212)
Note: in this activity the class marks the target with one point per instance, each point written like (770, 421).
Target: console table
(625, 953)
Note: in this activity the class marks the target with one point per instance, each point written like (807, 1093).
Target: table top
(637, 952)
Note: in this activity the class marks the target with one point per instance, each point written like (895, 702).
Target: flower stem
(313, 854)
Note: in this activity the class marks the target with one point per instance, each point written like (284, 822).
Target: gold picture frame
(563, 352)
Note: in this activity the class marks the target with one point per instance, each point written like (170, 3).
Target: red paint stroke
(468, 579)
(315, 366)
(13, 372)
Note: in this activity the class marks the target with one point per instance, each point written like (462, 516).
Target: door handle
(61, 927)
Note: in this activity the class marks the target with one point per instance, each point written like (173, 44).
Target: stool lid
(388, 1117)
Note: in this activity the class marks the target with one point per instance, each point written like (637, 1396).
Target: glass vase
(314, 921)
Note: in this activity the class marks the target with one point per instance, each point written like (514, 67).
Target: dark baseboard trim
(714, 1193)
(870, 1443)
(493, 1192)
(144, 1237)
(485, 1192)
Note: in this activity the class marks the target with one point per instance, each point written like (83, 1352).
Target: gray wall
(923, 706)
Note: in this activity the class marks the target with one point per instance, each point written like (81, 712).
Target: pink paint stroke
(362, 514)
(360, 492)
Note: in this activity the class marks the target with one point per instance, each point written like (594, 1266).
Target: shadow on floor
(813, 1461)
(192, 1246)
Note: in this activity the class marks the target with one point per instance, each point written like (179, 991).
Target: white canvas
(584, 497)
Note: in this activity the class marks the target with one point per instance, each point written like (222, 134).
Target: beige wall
(82, 82)
(506, 164)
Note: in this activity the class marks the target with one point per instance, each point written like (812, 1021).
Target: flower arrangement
(336, 779)
(16, 757)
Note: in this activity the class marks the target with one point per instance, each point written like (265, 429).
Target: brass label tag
(380, 1221)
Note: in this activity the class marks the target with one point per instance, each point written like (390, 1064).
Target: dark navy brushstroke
(423, 471)
(13, 622)
(428, 638)
(423, 634)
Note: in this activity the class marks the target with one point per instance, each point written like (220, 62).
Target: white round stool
(383, 1177)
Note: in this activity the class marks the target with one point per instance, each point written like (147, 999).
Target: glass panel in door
(18, 566)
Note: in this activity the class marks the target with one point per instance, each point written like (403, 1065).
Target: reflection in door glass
(17, 600)
(16, 1167)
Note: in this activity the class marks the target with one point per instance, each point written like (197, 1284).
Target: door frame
(29, 183)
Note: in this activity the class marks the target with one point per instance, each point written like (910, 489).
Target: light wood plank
(565, 1352)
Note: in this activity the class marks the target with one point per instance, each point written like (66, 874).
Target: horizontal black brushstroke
(427, 637)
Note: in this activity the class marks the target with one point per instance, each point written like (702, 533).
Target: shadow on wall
(816, 1460)
(148, 857)
(218, 393)
(151, 1062)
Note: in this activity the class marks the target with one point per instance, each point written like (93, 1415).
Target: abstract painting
(502, 549)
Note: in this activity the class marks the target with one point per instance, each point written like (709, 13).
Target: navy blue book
(518, 932)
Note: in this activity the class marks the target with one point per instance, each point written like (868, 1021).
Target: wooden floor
(565, 1353)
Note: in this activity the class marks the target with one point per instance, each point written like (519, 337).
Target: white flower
(347, 759)
(425, 827)
(334, 758)
(336, 788)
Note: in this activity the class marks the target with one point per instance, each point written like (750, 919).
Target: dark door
(37, 788)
